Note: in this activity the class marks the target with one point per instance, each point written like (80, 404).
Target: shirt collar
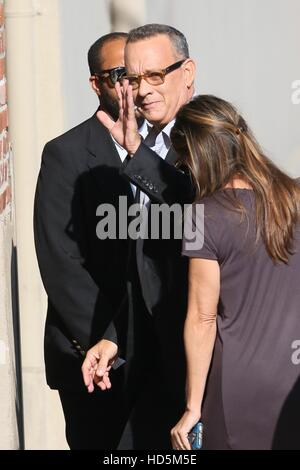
(167, 129)
(146, 127)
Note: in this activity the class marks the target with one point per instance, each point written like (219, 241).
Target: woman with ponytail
(242, 330)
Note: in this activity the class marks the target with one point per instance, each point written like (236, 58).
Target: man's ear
(189, 68)
(95, 85)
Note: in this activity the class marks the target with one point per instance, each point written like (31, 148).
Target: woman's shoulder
(210, 205)
(211, 210)
(223, 200)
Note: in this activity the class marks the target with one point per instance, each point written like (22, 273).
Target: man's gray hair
(177, 39)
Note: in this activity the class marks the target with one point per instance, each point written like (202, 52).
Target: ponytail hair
(216, 145)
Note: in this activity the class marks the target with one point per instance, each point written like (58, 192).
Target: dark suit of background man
(84, 277)
(162, 77)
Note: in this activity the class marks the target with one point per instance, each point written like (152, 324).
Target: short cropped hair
(177, 39)
(94, 53)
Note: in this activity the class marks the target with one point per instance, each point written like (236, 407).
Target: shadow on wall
(17, 346)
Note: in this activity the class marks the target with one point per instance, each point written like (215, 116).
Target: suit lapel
(104, 160)
(171, 156)
(101, 146)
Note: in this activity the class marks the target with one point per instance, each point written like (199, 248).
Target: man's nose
(144, 88)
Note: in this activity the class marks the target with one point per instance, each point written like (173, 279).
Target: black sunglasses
(114, 75)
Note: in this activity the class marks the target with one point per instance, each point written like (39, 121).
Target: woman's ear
(95, 84)
(189, 68)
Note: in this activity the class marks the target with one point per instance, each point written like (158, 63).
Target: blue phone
(195, 436)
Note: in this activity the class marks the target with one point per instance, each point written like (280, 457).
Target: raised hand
(125, 129)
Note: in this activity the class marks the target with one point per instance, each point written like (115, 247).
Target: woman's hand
(179, 434)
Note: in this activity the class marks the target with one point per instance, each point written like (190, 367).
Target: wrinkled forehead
(153, 53)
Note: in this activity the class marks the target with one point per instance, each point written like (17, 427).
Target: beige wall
(240, 56)
(247, 52)
(9, 438)
(41, 73)
(9, 396)
(34, 72)
(128, 14)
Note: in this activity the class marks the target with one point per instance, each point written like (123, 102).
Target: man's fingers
(124, 95)
(102, 366)
(86, 377)
(119, 93)
(90, 387)
(106, 380)
(118, 89)
(97, 364)
(106, 120)
(103, 382)
(99, 382)
(87, 367)
(130, 103)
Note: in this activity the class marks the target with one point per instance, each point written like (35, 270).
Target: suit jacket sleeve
(160, 180)
(75, 295)
(111, 335)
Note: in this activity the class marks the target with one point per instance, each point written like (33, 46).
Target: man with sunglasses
(159, 80)
(84, 277)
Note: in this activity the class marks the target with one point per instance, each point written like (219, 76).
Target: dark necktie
(137, 195)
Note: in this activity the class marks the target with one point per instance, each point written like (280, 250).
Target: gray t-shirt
(258, 328)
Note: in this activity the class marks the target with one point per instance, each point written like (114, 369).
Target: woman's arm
(200, 327)
(199, 338)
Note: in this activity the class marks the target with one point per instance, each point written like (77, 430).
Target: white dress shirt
(143, 131)
(160, 143)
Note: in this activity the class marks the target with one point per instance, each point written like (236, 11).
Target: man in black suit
(159, 80)
(84, 277)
